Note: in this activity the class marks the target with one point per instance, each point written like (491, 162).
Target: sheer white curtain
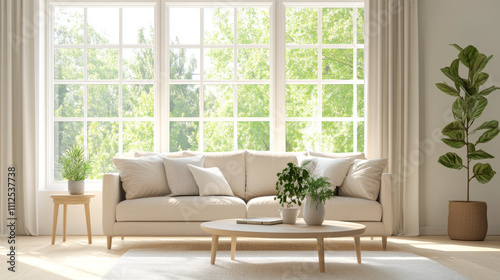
(392, 98)
(17, 113)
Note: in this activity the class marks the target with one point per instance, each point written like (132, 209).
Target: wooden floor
(76, 259)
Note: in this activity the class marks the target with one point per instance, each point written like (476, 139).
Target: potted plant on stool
(318, 190)
(467, 220)
(75, 168)
(291, 184)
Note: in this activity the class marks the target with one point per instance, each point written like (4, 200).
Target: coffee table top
(299, 230)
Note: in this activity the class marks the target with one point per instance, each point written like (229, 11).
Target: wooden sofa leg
(384, 242)
(123, 238)
(371, 238)
(109, 239)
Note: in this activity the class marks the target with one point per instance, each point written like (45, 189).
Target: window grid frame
(318, 120)
(234, 82)
(120, 82)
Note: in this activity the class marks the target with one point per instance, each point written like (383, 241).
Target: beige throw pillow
(142, 177)
(210, 181)
(335, 169)
(363, 179)
(179, 178)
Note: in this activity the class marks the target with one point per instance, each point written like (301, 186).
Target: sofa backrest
(261, 170)
(232, 166)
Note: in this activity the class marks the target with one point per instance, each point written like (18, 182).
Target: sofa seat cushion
(180, 209)
(339, 208)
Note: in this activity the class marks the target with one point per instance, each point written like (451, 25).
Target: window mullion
(202, 76)
(355, 77)
(120, 85)
(235, 78)
(85, 79)
(320, 77)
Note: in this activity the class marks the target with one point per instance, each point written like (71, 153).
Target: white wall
(441, 23)
(76, 224)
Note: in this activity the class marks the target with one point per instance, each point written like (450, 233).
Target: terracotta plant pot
(467, 220)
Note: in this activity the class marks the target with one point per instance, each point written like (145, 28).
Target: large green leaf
(487, 125)
(479, 154)
(478, 107)
(457, 47)
(447, 89)
(455, 130)
(479, 79)
(459, 109)
(468, 55)
(451, 160)
(453, 143)
(488, 135)
(480, 58)
(471, 147)
(488, 90)
(483, 172)
(485, 62)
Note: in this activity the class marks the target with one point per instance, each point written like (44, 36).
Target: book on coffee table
(260, 221)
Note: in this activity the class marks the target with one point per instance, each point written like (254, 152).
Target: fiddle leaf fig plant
(470, 102)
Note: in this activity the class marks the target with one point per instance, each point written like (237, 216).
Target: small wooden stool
(66, 199)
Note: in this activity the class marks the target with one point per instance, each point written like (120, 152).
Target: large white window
(324, 78)
(219, 81)
(102, 82)
(264, 75)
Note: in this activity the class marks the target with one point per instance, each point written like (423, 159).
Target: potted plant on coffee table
(318, 190)
(75, 168)
(292, 182)
(467, 220)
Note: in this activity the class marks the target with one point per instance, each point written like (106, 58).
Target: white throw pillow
(210, 181)
(335, 169)
(308, 162)
(142, 177)
(180, 180)
(363, 179)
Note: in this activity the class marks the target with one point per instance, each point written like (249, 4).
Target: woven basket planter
(467, 220)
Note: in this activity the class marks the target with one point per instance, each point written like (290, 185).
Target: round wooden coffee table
(299, 230)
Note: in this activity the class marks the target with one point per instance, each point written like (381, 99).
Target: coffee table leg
(215, 242)
(321, 254)
(233, 247)
(357, 246)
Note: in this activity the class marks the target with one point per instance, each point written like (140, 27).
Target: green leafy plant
(468, 106)
(73, 165)
(291, 184)
(319, 190)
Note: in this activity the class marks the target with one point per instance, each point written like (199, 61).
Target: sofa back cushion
(337, 155)
(232, 166)
(148, 154)
(262, 168)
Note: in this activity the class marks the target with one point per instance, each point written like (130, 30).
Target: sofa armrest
(385, 200)
(111, 196)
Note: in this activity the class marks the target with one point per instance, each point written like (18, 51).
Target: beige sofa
(252, 178)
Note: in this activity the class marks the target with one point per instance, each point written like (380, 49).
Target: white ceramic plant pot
(289, 215)
(76, 187)
(313, 216)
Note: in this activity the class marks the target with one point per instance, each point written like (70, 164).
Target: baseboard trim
(443, 230)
